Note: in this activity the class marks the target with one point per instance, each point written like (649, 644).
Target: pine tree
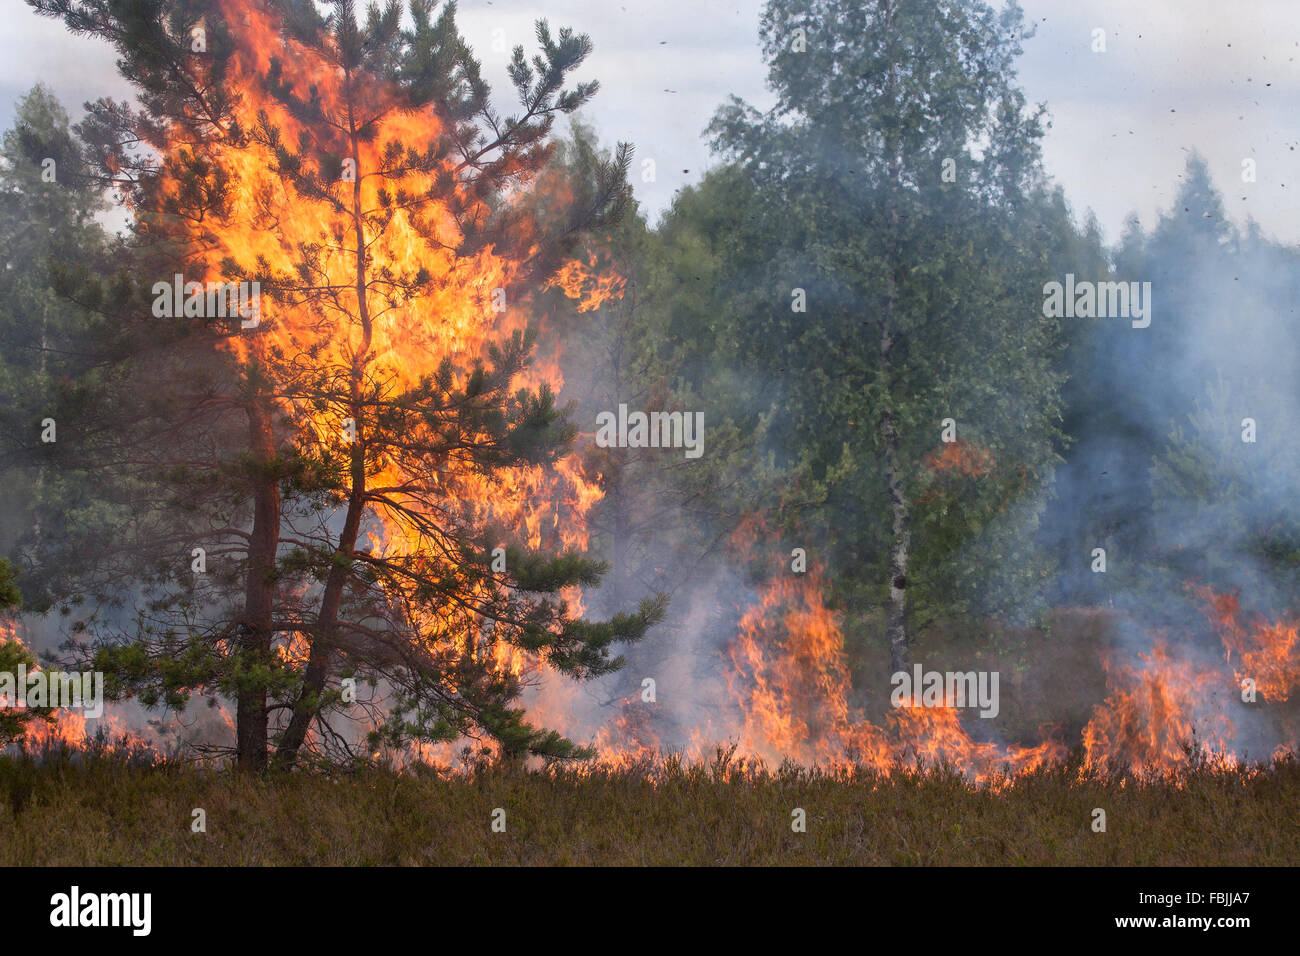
(358, 173)
(47, 226)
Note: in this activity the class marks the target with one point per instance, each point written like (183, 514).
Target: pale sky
(1218, 76)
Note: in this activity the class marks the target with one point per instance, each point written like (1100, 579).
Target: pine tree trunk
(322, 646)
(319, 658)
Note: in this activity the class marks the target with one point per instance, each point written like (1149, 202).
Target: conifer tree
(404, 512)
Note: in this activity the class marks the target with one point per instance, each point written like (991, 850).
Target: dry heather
(104, 810)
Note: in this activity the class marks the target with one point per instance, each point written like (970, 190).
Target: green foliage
(14, 721)
(10, 596)
(923, 296)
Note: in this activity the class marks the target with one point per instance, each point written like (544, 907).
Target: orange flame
(592, 283)
(791, 680)
(1158, 718)
(959, 457)
(1269, 652)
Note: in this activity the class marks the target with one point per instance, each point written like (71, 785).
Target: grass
(103, 809)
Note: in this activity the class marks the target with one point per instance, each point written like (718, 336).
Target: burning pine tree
(389, 495)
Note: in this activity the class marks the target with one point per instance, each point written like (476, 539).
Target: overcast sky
(1218, 76)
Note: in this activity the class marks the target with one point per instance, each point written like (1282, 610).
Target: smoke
(1182, 469)
(1185, 462)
